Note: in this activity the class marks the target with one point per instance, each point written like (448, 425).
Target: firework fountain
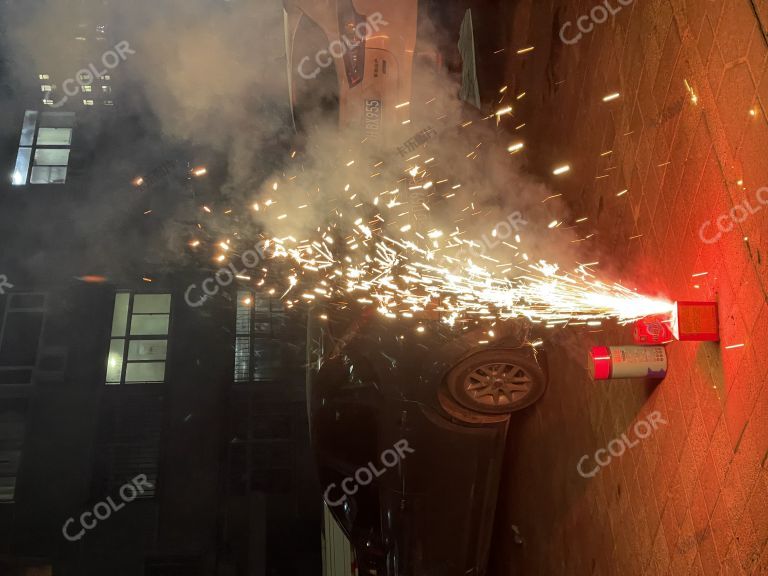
(370, 243)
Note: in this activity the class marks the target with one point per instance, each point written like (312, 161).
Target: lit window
(139, 343)
(44, 147)
(50, 166)
(48, 175)
(46, 88)
(47, 101)
(44, 77)
(21, 171)
(88, 102)
(106, 89)
(108, 103)
(87, 88)
(51, 157)
(54, 137)
(106, 77)
(28, 128)
(86, 77)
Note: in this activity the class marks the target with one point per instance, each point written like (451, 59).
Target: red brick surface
(693, 497)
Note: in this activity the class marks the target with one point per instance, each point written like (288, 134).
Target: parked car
(370, 46)
(376, 383)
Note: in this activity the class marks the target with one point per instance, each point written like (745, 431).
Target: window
(54, 137)
(44, 76)
(87, 88)
(88, 102)
(22, 166)
(108, 103)
(261, 453)
(48, 175)
(46, 87)
(20, 332)
(44, 147)
(128, 440)
(12, 428)
(139, 342)
(106, 89)
(259, 324)
(51, 156)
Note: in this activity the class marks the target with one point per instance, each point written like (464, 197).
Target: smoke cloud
(212, 76)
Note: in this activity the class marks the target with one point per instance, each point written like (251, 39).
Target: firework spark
(378, 247)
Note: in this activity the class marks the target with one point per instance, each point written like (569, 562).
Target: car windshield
(314, 91)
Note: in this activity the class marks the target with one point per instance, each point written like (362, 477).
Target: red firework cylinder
(695, 322)
(653, 330)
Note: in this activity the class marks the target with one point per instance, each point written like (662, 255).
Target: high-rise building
(79, 74)
(77, 77)
(139, 435)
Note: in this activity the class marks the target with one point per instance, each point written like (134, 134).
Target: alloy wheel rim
(498, 384)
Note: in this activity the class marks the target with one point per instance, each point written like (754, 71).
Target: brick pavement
(693, 497)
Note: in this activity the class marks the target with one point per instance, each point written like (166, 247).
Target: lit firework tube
(695, 322)
(613, 362)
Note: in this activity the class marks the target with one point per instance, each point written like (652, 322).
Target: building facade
(139, 435)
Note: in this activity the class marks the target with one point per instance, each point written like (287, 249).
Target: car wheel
(496, 382)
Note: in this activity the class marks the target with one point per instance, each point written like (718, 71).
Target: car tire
(496, 381)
